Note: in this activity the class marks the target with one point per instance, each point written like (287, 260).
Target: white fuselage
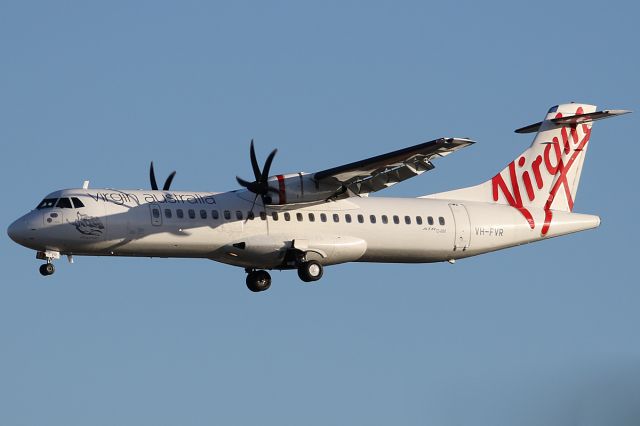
(218, 226)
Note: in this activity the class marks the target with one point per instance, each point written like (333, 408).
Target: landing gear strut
(47, 269)
(310, 271)
(258, 280)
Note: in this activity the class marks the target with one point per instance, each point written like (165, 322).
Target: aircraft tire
(47, 269)
(310, 271)
(258, 281)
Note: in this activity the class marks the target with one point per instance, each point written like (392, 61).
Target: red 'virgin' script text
(557, 163)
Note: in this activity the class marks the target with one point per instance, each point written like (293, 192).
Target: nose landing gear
(47, 269)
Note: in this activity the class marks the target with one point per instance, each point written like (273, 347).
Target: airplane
(307, 221)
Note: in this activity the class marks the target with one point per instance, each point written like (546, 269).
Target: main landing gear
(258, 280)
(310, 271)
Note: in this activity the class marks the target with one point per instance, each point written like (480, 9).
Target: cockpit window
(76, 202)
(47, 203)
(64, 203)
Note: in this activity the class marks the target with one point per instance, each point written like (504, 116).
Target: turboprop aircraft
(307, 221)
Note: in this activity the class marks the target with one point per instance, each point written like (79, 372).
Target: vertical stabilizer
(547, 174)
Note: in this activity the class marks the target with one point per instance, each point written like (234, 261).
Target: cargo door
(463, 227)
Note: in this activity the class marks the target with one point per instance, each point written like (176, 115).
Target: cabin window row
(408, 220)
(204, 214)
(287, 216)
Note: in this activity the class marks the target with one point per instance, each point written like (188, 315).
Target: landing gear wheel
(258, 281)
(47, 269)
(310, 271)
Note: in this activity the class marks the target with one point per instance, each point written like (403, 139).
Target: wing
(373, 174)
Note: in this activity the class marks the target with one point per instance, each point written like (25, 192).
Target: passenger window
(263, 215)
(47, 203)
(336, 217)
(360, 218)
(203, 214)
(323, 217)
(167, 213)
(419, 220)
(347, 218)
(179, 213)
(192, 214)
(287, 216)
(238, 215)
(430, 220)
(156, 213)
(384, 219)
(274, 215)
(372, 218)
(250, 215)
(215, 215)
(227, 214)
(76, 202)
(441, 220)
(396, 220)
(407, 220)
(64, 203)
(299, 217)
(312, 217)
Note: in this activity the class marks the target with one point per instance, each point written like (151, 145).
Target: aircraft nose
(17, 230)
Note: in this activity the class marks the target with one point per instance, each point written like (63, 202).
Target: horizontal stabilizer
(574, 119)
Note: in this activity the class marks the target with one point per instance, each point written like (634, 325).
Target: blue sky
(541, 334)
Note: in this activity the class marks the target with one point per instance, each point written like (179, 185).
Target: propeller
(154, 184)
(259, 186)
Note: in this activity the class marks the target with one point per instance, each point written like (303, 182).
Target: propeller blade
(251, 186)
(152, 178)
(243, 182)
(260, 185)
(267, 165)
(254, 162)
(167, 183)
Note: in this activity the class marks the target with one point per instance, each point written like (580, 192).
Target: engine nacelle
(299, 188)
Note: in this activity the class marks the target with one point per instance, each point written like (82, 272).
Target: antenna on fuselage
(85, 184)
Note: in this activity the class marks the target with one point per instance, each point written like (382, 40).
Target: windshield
(47, 203)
